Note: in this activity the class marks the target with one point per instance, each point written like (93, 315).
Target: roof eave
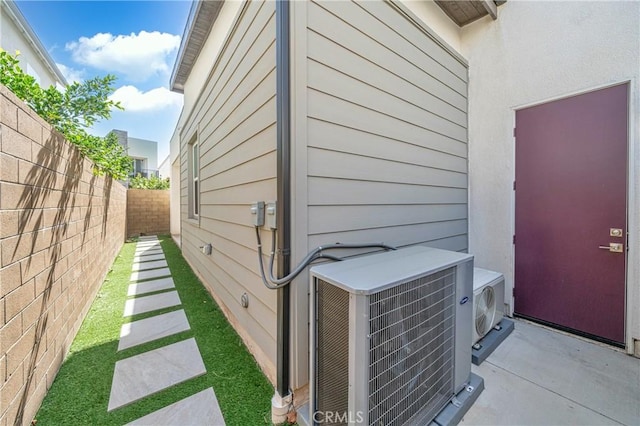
(202, 17)
(23, 25)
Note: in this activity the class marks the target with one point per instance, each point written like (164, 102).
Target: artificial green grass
(80, 392)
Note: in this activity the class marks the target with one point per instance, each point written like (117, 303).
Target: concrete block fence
(147, 212)
(60, 230)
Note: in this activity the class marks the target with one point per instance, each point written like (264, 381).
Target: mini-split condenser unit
(488, 301)
(390, 341)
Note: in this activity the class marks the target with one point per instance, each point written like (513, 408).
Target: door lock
(615, 232)
(613, 247)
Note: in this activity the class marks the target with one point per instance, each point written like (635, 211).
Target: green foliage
(71, 111)
(154, 182)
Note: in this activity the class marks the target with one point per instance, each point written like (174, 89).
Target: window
(138, 167)
(194, 179)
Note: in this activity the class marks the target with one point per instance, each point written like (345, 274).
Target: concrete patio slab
(150, 329)
(590, 374)
(199, 409)
(154, 302)
(144, 287)
(542, 376)
(142, 375)
(148, 258)
(146, 275)
(509, 400)
(149, 265)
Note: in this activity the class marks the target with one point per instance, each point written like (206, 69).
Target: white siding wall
(387, 130)
(380, 131)
(233, 119)
(536, 52)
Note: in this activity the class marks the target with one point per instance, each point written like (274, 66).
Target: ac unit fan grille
(332, 360)
(411, 360)
(485, 311)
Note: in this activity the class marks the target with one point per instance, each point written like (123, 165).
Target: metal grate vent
(411, 370)
(332, 360)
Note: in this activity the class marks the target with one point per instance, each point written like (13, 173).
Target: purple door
(570, 214)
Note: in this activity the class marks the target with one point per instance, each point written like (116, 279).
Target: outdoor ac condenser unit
(488, 301)
(390, 337)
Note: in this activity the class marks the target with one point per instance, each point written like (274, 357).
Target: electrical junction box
(270, 221)
(257, 212)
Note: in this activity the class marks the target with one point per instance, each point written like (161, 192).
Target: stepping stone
(145, 275)
(147, 373)
(150, 286)
(147, 248)
(149, 329)
(149, 265)
(154, 302)
(152, 247)
(148, 252)
(199, 409)
(148, 258)
(148, 238)
(147, 245)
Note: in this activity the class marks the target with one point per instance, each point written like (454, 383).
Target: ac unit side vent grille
(411, 349)
(332, 363)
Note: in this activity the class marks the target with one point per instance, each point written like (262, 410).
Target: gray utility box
(390, 336)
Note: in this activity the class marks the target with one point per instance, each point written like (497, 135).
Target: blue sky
(137, 41)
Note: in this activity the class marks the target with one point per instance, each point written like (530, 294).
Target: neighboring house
(164, 169)
(143, 152)
(17, 36)
(393, 122)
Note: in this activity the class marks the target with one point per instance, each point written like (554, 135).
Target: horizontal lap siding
(235, 123)
(387, 130)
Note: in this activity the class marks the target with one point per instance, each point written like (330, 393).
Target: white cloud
(134, 100)
(138, 56)
(71, 74)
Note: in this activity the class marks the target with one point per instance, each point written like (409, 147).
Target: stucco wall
(60, 229)
(535, 52)
(142, 148)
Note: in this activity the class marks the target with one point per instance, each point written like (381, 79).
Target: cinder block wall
(60, 230)
(147, 212)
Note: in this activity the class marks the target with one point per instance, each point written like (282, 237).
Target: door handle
(613, 247)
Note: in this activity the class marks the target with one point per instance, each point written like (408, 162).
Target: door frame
(632, 273)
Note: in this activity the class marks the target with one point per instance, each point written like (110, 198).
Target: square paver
(149, 329)
(150, 286)
(143, 253)
(199, 409)
(148, 243)
(147, 248)
(148, 238)
(149, 265)
(154, 302)
(147, 373)
(148, 258)
(146, 275)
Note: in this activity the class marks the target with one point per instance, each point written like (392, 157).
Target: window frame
(193, 181)
(195, 178)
